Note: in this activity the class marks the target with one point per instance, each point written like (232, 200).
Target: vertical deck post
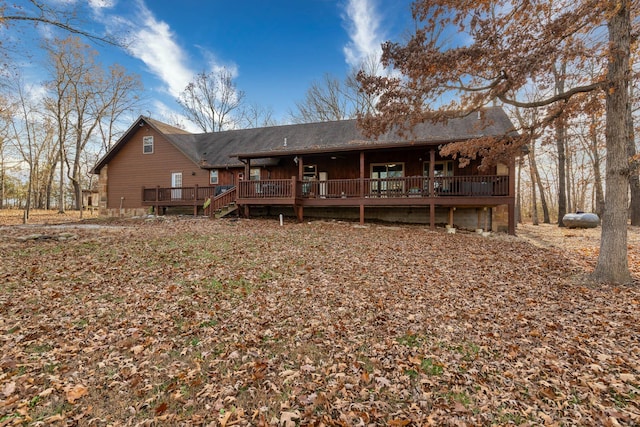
(512, 218)
(487, 212)
(432, 216)
(299, 209)
(195, 201)
(432, 166)
(511, 210)
(157, 205)
(361, 187)
(451, 209)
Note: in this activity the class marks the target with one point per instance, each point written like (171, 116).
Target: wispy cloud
(154, 43)
(363, 25)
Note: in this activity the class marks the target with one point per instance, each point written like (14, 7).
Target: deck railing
(176, 195)
(415, 186)
(266, 189)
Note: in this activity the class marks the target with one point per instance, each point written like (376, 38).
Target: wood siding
(130, 170)
(347, 165)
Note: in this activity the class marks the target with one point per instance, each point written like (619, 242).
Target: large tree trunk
(613, 265)
(562, 180)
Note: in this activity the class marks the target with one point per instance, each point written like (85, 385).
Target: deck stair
(226, 210)
(223, 204)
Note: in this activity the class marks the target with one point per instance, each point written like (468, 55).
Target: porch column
(511, 210)
(298, 209)
(300, 168)
(451, 209)
(361, 187)
(247, 177)
(432, 168)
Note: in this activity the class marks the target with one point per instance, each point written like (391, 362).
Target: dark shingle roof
(222, 149)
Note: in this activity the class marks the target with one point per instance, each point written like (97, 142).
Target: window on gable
(147, 145)
(213, 176)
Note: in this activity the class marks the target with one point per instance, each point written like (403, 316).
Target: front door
(176, 183)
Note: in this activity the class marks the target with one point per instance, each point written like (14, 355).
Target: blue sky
(275, 48)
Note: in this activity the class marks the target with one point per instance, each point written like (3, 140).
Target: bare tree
(120, 93)
(325, 100)
(254, 115)
(332, 99)
(30, 134)
(84, 97)
(65, 16)
(210, 100)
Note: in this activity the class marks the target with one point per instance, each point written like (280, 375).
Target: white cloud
(363, 25)
(154, 43)
(102, 4)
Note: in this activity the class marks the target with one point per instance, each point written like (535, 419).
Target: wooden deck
(458, 191)
(204, 198)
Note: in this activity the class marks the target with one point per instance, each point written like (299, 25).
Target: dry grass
(39, 216)
(201, 322)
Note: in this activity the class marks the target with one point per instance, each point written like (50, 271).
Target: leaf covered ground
(201, 322)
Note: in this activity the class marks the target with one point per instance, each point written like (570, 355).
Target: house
(325, 169)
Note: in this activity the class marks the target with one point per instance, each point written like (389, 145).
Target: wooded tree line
(52, 132)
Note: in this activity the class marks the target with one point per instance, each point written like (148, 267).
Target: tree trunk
(569, 174)
(543, 199)
(518, 203)
(61, 193)
(2, 188)
(559, 78)
(613, 265)
(534, 203)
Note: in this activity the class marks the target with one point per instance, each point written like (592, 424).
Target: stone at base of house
(124, 212)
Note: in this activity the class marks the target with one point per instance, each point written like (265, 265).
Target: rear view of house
(325, 169)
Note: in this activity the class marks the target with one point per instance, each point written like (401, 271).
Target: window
(254, 174)
(147, 145)
(309, 173)
(384, 173)
(442, 168)
(213, 176)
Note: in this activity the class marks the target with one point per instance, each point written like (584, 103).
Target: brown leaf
(9, 388)
(399, 423)
(161, 408)
(76, 392)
